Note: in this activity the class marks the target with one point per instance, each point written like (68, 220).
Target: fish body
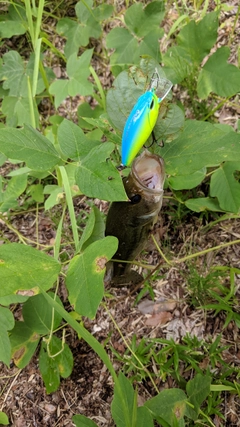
(139, 126)
(132, 221)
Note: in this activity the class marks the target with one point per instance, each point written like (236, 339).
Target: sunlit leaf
(23, 268)
(85, 276)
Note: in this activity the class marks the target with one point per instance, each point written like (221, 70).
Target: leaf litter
(89, 389)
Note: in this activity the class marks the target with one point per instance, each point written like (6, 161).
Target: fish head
(144, 184)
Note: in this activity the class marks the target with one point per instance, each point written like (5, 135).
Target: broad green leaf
(198, 390)
(3, 419)
(84, 110)
(16, 186)
(202, 204)
(59, 89)
(62, 356)
(49, 370)
(141, 20)
(24, 343)
(225, 187)
(78, 72)
(14, 22)
(78, 83)
(17, 110)
(39, 316)
(30, 146)
(197, 38)
(200, 144)
(98, 229)
(56, 196)
(7, 323)
(124, 405)
(187, 182)
(13, 74)
(103, 12)
(5, 347)
(85, 276)
(36, 192)
(13, 299)
(97, 177)
(169, 123)
(177, 64)
(58, 363)
(78, 33)
(23, 268)
(125, 45)
(144, 418)
(218, 76)
(170, 404)
(82, 421)
(73, 142)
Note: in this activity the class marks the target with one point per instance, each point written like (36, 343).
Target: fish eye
(135, 199)
(152, 104)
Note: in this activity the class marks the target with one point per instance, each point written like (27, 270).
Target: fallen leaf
(159, 319)
(158, 306)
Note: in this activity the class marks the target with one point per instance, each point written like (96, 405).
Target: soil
(89, 389)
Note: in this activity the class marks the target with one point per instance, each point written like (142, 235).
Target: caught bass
(132, 221)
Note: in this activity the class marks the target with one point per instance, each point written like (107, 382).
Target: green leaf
(36, 191)
(124, 44)
(140, 20)
(7, 323)
(24, 343)
(187, 182)
(23, 268)
(58, 363)
(177, 64)
(3, 419)
(49, 370)
(124, 406)
(197, 39)
(13, 74)
(30, 146)
(97, 177)
(73, 142)
(202, 204)
(38, 315)
(198, 390)
(218, 76)
(225, 187)
(82, 421)
(78, 83)
(16, 186)
(200, 144)
(56, 196)
(14, 22)
(13, 299)
(17, 110)
(85, 276)
(144, 418)
(97, 228)
(84, 110)
(170, 405)
(78, 33)
(103, 12)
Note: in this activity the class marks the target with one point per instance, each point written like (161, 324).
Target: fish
(132, 221)
(142, 119)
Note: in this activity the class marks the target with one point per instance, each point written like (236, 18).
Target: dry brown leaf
(159, 319)
(154, 307)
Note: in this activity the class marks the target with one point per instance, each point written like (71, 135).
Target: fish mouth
(149, 171)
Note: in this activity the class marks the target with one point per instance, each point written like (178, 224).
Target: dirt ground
(89, 389)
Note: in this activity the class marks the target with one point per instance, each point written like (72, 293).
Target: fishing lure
(143, 117)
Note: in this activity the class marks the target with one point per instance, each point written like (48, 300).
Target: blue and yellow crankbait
(142, 119)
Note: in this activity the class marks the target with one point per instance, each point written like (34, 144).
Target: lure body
(139, 125)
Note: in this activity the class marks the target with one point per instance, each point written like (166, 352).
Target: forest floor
(177, 311)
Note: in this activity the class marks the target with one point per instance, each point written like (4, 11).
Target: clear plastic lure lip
(142, 119)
